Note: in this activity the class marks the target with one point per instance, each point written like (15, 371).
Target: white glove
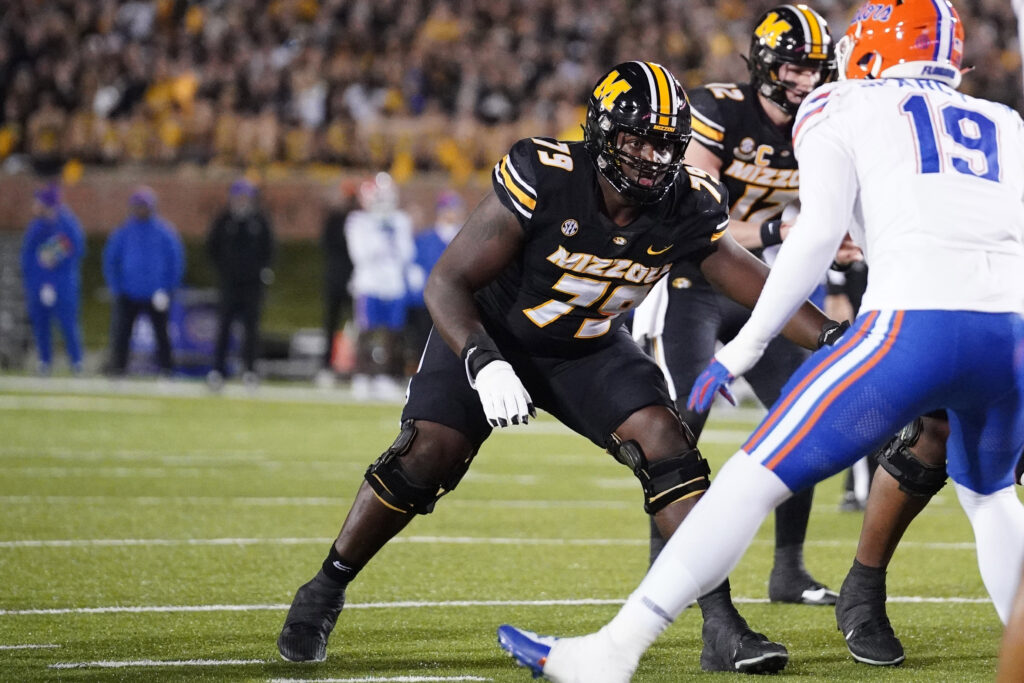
(160, 300)
(502, 395)
(47, 295)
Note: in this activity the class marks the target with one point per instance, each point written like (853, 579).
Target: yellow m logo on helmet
(609, 89)
(771, 29)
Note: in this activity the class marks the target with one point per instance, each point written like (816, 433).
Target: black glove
(831, 332)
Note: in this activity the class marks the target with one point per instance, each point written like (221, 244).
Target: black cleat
(310, 620)
(799, 588)
(861, 617)
(730, 645)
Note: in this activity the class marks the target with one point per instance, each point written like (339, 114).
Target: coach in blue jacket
(51, 259)
(143, 263)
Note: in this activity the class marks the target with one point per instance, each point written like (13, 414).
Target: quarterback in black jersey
(742, 137)
(527, 302)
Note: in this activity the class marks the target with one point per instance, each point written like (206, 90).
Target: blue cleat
(526, 647)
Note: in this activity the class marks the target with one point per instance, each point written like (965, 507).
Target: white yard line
(411, 604)
(427, 540)
(47, 646)
(259, 501)
(114, 664)
(380, 679)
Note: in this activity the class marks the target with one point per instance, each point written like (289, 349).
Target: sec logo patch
(570, 227)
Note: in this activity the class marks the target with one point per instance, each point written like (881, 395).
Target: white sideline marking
(378, 679)
(427, 540)
(28, 647)
(79, 404)
(108, 664)
(412, 604)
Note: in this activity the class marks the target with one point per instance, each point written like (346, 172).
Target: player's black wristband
(771, 232)
(841, 267)
(831, 332)
(478, 352)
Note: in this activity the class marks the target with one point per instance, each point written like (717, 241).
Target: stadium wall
(296, 204)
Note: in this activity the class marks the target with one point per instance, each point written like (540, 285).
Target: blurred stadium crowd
(407, 85)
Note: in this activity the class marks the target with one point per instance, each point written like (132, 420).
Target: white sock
(702, 551)
(998, 523)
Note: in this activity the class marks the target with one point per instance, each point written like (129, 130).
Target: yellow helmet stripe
(816, 48)
(665, 94)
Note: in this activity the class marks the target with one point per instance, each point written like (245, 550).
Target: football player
(930, 182)
(527, 302)
(742, 136)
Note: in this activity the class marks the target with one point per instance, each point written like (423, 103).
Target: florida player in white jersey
(930, 183)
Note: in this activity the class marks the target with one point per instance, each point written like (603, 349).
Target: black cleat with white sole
(310, 620)
(799, 588)
(731, 645)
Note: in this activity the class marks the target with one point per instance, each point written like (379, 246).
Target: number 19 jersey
(938, 178)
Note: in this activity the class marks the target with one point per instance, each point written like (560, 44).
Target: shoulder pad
(708, 120)
(815, 109)
(515, 179)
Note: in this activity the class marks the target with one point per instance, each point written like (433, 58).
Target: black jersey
(758, 166)
(578, 271)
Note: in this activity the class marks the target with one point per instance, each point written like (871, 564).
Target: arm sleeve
(828, 190)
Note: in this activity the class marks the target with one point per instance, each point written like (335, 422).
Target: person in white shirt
(929, 182)
(380, 244)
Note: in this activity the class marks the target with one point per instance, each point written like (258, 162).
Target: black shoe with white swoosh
(310, 620)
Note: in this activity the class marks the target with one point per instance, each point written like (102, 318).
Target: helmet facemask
(789, 34)
(616, 122)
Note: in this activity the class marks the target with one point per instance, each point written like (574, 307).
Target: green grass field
(154, 532)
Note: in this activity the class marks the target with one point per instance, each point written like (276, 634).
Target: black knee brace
(393, 486)
(676, 477)
(915, 478)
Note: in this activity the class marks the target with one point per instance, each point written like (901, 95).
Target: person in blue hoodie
(51, 259)
(143, 263)
(451, 212)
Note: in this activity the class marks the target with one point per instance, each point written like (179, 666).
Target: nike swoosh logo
(654, 252)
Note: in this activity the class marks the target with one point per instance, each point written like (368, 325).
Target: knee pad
(915, 478)
(668, 480)
(396, 489)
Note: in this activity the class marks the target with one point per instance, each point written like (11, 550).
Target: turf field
(154, 532)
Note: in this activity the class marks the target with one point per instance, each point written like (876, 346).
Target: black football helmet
(789, 34)
(642, 99)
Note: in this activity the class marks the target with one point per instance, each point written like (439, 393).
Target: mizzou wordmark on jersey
(758, 166)
(578, 270)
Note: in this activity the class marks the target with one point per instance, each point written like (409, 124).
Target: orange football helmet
(903, 39)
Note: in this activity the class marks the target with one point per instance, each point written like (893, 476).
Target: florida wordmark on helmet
(645, 100)
(903, 39)
(789, 34)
